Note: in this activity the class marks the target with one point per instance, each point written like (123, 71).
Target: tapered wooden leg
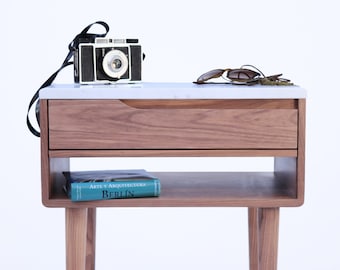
(253, 238)
(91, 239)
(80, 238)
(263, 238)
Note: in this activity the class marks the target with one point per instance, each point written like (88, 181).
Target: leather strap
(72, 47)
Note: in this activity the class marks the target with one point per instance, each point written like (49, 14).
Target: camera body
(105, 60)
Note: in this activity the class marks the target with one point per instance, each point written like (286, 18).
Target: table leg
(263, 238)
(91, 239)
(80, 238)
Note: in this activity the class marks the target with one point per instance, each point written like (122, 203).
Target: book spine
(91, 191)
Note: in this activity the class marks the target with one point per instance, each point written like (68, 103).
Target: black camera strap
(72, 47)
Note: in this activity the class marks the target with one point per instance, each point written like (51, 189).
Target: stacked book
(110, 184)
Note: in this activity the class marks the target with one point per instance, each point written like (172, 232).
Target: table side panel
(46, 179)
(301, 150)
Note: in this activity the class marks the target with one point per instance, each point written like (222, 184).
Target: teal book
(110, 184)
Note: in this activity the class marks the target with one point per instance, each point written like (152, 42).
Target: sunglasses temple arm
(259, 71)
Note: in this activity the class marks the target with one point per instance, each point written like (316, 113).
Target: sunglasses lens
(242, 75)
(209, 75)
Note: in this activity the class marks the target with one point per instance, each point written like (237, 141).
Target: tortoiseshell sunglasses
(243, 76)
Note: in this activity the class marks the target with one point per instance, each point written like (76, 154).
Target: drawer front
(116, 124)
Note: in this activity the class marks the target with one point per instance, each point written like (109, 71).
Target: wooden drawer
(172, 124)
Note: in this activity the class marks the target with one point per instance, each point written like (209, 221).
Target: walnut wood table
(178, 120)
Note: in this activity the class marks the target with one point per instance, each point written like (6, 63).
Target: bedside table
(178, 120)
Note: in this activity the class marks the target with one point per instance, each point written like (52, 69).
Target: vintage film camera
(105, 60)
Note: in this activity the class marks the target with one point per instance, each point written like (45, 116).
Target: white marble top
(155, 90)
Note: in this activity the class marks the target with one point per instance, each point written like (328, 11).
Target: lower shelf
(203, 189)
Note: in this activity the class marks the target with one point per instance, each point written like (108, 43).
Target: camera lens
(115, 64)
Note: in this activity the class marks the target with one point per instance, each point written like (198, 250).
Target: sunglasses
(244, 76)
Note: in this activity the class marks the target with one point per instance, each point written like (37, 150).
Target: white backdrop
(181, 40)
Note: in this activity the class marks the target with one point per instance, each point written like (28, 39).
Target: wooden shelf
(204, 189)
